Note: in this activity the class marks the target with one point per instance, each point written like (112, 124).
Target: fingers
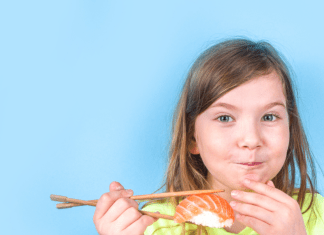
(121, 205)
(259, 226)
(253, 211)
(116, 212)
(268, 191)
(140, 225)
(256, 199)
(129, 216)
(107, 200)
(267, 210)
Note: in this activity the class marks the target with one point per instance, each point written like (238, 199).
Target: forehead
(257, 91)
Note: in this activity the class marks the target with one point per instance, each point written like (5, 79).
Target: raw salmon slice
(207, 209)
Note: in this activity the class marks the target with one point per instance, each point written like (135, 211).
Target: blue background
(88, 89)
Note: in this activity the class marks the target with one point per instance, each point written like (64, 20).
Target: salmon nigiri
(205, 209)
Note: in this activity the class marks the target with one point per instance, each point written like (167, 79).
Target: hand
(268, 210)
(116, 213)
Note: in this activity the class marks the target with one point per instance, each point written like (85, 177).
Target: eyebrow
(232, 107)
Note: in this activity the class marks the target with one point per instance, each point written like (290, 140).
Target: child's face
(247, 125)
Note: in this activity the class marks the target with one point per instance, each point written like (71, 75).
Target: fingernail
(119, 187)
(234, 193)
(247, 181)
(233, 203)
(129, 192)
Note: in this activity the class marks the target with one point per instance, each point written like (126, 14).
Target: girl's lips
(251, 163)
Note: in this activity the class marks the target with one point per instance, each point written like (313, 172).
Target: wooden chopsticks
(174, 194)
(59, 198)
(71, 202)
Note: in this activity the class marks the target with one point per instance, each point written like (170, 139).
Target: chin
(242, 188)
(262, 178)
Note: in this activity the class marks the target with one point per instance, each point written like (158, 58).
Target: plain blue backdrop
(88, 89)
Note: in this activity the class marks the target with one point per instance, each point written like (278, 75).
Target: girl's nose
(250, 136)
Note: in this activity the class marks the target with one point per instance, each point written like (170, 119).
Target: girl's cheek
(280, 138)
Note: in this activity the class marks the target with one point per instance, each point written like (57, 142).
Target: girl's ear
(193, 149)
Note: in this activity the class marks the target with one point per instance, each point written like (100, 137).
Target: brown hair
(216, 71)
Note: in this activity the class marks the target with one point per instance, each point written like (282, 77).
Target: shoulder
(318, 200)
(313, 218)
(317, 203)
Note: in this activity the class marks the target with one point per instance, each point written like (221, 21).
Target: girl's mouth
(251, 163)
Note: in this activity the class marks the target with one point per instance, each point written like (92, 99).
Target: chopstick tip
(58, 198)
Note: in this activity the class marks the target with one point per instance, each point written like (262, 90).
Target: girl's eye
(225, 118)
(269, 117)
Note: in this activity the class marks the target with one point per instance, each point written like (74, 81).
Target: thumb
(115, 186)
(271, 184)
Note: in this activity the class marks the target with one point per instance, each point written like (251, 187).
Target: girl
(237, 128)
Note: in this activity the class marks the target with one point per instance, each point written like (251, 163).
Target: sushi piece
(205, 209)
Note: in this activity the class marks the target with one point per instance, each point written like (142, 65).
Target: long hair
(217, 71)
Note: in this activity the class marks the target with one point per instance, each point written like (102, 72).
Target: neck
(216, 185)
